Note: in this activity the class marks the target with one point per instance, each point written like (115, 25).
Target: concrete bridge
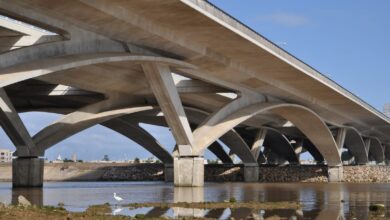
(183, 64)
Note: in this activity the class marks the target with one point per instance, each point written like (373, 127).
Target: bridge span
(183, 64)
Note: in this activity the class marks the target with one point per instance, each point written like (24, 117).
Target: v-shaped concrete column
(188, 167)
(163, 87)
(14, 127)
(27, 169)
(258, 142)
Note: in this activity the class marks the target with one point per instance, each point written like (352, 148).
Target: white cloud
(285, 19)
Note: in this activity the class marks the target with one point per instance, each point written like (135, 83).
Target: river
(318, 201)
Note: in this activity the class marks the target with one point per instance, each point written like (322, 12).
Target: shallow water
(318, 201)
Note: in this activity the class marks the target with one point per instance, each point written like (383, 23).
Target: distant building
(58, 160)
(5, 156)
(386, 109)
(74, 157)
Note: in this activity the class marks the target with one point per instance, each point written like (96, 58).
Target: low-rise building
(58, 160)
(5, 156)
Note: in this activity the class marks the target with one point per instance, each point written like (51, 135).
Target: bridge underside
(98, 63)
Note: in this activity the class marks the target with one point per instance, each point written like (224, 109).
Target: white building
(5, 156)
(58, 160)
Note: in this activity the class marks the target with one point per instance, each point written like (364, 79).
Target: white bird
(117, 198)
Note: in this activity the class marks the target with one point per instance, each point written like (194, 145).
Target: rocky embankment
(213, 173)
(95, 172)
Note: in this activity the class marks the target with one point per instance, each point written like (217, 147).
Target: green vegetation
(232, 200)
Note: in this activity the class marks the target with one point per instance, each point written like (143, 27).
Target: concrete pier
(168, 172)
(251, 172)
(335, 174)
(27, 172)
(188, 171)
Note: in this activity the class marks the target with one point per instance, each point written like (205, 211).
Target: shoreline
(95, 172)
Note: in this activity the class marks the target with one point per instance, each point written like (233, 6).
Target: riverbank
(104, 211)
(213, 173)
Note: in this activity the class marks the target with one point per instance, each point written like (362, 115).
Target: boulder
(22, 201)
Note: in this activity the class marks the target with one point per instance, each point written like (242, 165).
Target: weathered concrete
(121, 51)
(335, 174)
(188, 171)
(313, 127)
(168, 173)
(281, 147)
(251, 172)
(27, 172)
(355, 143)
(189, 195)
(164, 89)
(376, 152)
(13, 126)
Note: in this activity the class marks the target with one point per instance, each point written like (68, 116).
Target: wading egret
(117, 198)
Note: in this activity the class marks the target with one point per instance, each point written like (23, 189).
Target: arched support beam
(77, 121)
(376, 151)
(312, 126)
(141, 137)
(231, 139)
(317, 156)
(220, 153)
(355, 144)
(37, 68)
(195, 116)
(280, 145)
(238, 147)
(130, 130)
(258, 143)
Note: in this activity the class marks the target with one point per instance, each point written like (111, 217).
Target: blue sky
(349, 41)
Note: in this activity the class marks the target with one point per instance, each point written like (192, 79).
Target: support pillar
(168, 172)
(335, 174)
(188, 171)
(27, 172)
(251, 172)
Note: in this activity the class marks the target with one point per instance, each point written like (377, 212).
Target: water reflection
(188, 195)
(318, 201)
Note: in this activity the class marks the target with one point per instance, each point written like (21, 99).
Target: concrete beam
(81, 119)
(164, 89)
(14, 127)
(258, 142)
(280, 145)
(202, 136)
(38, 68)
(340, 137)
(376, 151)
(220, 153)
(195, 116)
(355, 143)
(312, 126)
(141, 137)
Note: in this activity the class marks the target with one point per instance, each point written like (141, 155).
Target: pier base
(168, 172)
(27, 172)
(335, 174)
(251, 172)
(188, 171)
